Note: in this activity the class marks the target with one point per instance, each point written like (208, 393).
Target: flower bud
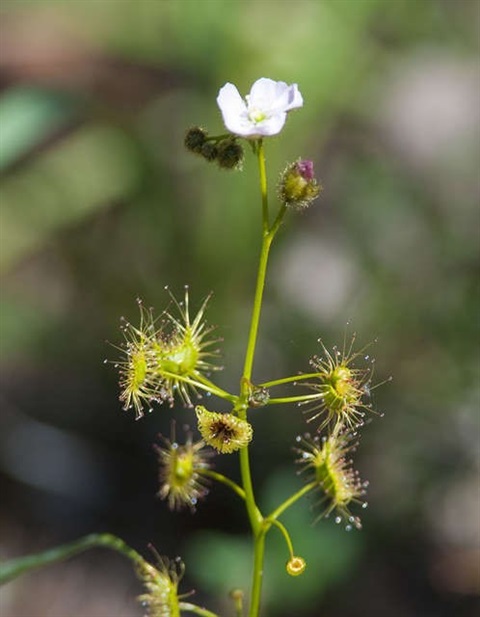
(195, 139)
(180, 473)
(237, 594)
(296, 566)
(328, 463)
(298, 187)
(230, 154)
(223, 431)
(162, 356)
(209, 151)
(340, 388)
(161, 584)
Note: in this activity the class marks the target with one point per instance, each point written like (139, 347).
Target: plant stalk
(15, 567)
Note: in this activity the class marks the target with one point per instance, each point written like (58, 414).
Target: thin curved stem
(285, 534)
(219, 477)
(15, 567)
(290, 501)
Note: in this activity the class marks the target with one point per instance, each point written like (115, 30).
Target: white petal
(264, 93)
(295, 99)
(232, 106)
(241, 125)
(288, 97)
(274, 96)
(272, 125)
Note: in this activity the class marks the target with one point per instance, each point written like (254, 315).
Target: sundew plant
(173, 356)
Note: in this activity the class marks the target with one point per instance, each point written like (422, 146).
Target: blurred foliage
(99, 204)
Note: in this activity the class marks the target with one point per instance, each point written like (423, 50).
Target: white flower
(264, 110)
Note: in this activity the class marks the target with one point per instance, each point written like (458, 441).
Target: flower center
(256, 115)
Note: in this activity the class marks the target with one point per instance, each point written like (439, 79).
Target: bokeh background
(100, 205)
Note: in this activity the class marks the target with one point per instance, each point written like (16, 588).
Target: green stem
(285, 534)
(262, 168)
(254, 514)
(219, 477)
(15, 567)
(258, 559)
(278, 221)
(279, 382)
(214, 389)
(290, 501)
(267, 239)
(203, 383)
(193, 608)
(257, 521)
(257, 306)
(218, 137)
(293, 399)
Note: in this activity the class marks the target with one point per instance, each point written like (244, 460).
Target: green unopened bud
(195, 139)
(230, 154)
(298, 187)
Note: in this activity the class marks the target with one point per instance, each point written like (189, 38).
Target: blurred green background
(100, 204)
